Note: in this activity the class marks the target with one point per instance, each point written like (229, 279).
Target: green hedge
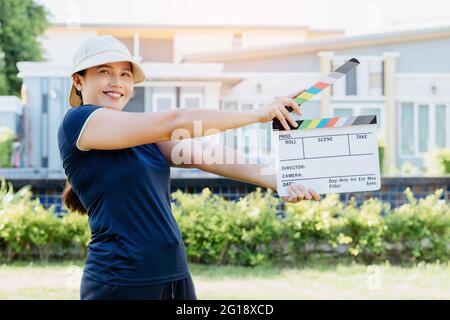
(249, 231)
(437, 161)
(6, 146)
(28, 230)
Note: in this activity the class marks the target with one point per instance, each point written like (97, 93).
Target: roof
(197, 26)
(153, 71)
(332, 43)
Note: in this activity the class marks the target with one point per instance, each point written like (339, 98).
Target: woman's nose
(115, 81)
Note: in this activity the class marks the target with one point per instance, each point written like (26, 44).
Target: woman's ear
(77, 81)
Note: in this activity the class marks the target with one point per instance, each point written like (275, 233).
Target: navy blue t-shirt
(126, 192)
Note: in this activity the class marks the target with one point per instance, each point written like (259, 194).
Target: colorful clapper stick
(336, 122)
(319, 86)
(327, 81)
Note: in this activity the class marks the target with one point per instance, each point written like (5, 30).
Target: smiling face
(108, 85)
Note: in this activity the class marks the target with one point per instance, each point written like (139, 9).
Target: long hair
(69, 197)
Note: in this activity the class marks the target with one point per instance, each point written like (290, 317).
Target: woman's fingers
(282, 119)
(280, 108)
(292, 194)
(314, 194)
(293, 104)
(298, 191)
(305, 192)
(288, 116)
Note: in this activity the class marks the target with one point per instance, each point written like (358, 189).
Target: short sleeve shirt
(135, 240)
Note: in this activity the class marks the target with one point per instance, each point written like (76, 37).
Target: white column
(390, 118)
(136, 44)
(325, 69)
(212, 101)
(212, 95)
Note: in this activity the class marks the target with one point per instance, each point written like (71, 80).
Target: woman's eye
(127, 75)
(104, 71)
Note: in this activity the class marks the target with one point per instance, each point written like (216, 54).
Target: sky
(353, 16)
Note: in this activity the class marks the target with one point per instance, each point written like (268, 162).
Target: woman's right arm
(109, 129)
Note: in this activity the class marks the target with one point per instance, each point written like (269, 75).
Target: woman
(118, 169)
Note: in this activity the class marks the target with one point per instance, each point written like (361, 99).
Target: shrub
(203, 221)
(421, 228)
(26, 227)
(437, 161)
(6, 146)
(249, 231)
(75, 234)
(219, 231)
(381, 152)
(365, 229)
(254, 229)
(308, 224)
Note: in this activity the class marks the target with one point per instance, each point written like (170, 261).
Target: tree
(21, 23)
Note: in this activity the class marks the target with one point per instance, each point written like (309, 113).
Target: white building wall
(60, 47)
(264, 38)
(11, 108)
(268, 85)
(419, 85)
(187, 43)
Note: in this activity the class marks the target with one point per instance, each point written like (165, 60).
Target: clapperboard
(330, 155)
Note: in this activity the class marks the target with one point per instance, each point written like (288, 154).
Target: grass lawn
(61, 280)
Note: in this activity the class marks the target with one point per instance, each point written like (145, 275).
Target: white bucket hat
(100, 50)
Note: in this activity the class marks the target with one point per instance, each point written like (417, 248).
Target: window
(229, 105)
(441, 126)
(247, 140)
(230, 135)
(191, 100)
(163, 101)
(230, 138)
(350, 83)
(136, 103)
(266, 141)
(375, 78)
(423, 126)
(365, 80)
(191, 97)
(407, 128)
(244, 139)
(424, 119)
(247, 106)
(254, 140)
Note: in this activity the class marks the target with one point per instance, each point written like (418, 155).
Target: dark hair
(71, 200)
(69, 197)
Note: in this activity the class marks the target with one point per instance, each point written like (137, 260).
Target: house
(403, 78)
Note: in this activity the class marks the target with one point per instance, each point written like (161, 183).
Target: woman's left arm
(239, 169)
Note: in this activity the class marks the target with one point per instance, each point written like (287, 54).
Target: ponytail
(71, 200)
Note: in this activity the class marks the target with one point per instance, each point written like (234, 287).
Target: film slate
(330, 155)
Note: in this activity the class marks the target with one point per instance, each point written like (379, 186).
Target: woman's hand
(298, 192)
(277, 109)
